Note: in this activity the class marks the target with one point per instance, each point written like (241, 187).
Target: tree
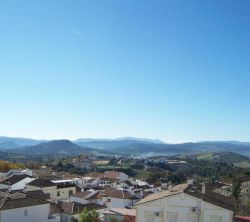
(236, 190)
(89, 216)
(6, 166)
(59, 164)
(33, 165)
(73, 219)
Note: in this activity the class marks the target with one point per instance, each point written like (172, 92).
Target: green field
(244, 165)
(204, 156)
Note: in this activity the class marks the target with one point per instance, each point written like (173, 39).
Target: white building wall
(38, 213)
(120, 203)
(184, 207)
(211, 210)
(3, 186)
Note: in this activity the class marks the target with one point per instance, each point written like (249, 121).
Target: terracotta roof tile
(211, 197)
(121, 211)
(175, 190)
(194, 190)
(242, 218)
(121, 194)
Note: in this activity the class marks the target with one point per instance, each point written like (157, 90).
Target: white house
(245, 185)
(221, 188)
(58, 190)
(119, 176)
(120, 198)
(143, 185)
(185, 203)
(22, 207)
(17, 172)
(87, 197)
(16, 182)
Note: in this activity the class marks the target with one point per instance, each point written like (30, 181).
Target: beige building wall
(54, 192)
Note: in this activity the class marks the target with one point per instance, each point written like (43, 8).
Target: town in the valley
(125, 189)
(124, 111)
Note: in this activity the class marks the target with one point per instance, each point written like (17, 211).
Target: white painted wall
(3, 186)
(181, 205)
(37, 213)
(120, 203)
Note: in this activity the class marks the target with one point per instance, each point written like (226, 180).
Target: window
(25, 212)
(58, 193)
(215, 218)
(172, 217)
(70, 192)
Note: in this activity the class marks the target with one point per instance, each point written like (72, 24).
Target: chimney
(108, 204)
(203, 189)
(141, 193)
(190, 181)
(170, 187)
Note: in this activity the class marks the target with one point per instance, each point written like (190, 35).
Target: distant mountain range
(63, 147)
(125, 146)
(90, 140)
(13, 142)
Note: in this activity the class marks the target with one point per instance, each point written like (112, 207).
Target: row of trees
(6, 166)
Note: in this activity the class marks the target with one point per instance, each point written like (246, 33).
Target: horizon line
(120, 138)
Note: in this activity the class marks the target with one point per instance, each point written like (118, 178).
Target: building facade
(185, 203)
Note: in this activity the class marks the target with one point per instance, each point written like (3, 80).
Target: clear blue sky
(173, 70)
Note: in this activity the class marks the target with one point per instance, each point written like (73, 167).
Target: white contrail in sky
(76, 32)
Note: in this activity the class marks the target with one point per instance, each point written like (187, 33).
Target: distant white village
(27, 198)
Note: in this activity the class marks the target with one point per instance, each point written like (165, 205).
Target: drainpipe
(203, 192)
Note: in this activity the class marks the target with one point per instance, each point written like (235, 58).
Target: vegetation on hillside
(6, 166)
